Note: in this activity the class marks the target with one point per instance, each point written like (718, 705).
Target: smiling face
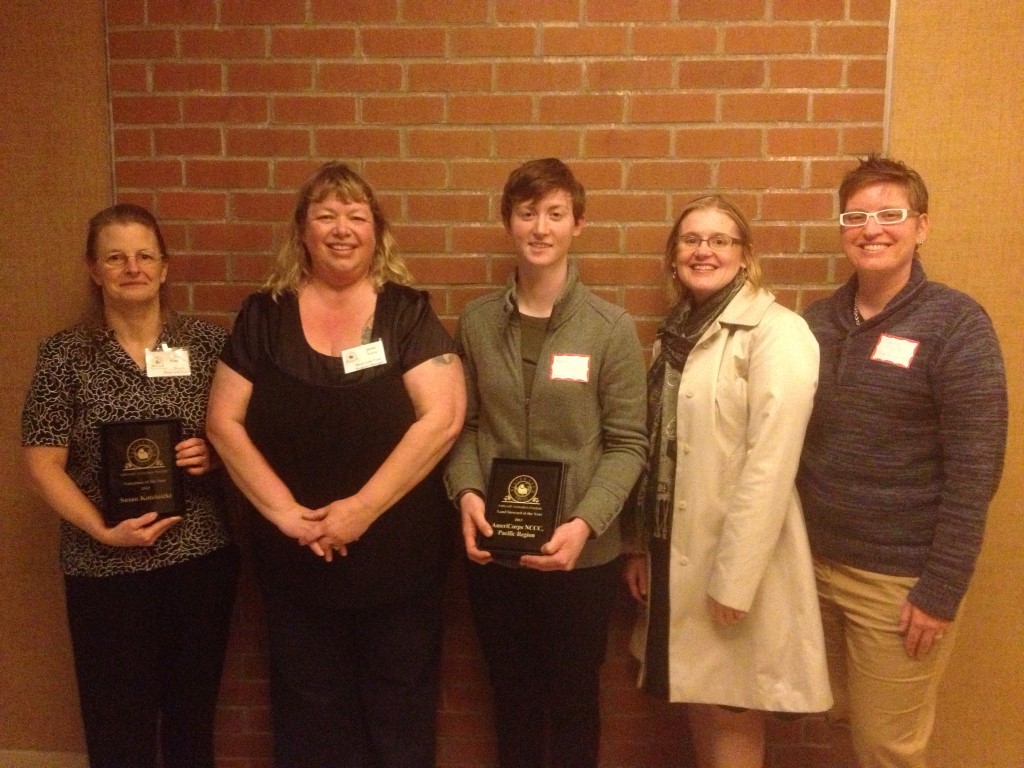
(542, 230)
(128, 265)
(340, 240)
(702, 270)
(883, 251)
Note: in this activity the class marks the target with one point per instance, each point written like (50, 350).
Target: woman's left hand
(561, 553)
(723, 614)
(194, 456)
(921, 631)
(340, 523)
(437, 390)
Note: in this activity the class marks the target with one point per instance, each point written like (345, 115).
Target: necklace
(857, 319)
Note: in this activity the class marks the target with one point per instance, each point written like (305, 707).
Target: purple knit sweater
(906, 442)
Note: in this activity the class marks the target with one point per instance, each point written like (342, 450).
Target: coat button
(684, 561)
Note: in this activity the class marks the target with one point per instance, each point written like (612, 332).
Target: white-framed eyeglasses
(144, 259)
(883, 217)
(691, 242)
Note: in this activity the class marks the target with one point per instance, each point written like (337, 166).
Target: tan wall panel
(55, 172)
(957, 118)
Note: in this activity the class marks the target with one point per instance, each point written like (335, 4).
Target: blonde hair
(751, 261)
(336, 179)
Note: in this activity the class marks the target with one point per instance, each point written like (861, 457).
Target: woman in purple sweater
(903, 454)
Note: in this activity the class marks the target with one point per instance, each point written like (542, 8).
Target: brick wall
(220, 108)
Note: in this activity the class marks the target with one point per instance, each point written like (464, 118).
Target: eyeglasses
(691, 242)
(113, 261)
(883, 217)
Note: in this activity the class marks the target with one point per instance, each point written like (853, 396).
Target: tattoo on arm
(367, 334)
(445, 359)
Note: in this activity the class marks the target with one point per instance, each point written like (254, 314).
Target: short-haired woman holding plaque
(553, 373)
(149, 597)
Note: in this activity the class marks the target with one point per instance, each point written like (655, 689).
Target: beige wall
(55, 172)
(957, 118)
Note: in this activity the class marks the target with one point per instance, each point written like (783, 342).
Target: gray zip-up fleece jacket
(587, 409)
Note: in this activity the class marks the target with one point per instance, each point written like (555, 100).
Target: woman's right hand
(46, 468)
(634, 573)
(305, 526)
(473, 522)
(252, 474)
(723, 614)
(142, 531)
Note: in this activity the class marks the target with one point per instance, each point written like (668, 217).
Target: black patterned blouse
(84, 378)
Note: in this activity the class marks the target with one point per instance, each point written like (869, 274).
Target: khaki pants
(887, 698)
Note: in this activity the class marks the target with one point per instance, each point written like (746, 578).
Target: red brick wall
(220, 108)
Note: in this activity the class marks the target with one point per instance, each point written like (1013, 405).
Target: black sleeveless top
(325, 432)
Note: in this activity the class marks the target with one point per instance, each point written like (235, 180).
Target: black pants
(354, 687)
(544, 636)
(149, 649)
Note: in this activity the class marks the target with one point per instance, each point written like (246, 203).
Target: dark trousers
(544, 635)
(149, 650)
(354, 687)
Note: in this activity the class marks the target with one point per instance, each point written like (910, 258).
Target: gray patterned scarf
(681, 330)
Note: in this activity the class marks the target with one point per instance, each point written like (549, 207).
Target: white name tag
(894, 350)
(570, 368)
(167, 361)
(364, 356)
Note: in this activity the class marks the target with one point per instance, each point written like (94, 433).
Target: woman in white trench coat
(721, 560)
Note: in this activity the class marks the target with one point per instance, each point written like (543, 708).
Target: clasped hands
(329, 530)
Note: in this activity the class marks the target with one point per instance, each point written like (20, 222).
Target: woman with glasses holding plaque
(721, 561)
(903, 454)
(336, 397)
(113, 436)
(554, 377)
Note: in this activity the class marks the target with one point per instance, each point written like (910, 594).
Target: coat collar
(747, 308)
(571, 296)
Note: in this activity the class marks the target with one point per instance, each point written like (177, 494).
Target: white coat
(738, 533)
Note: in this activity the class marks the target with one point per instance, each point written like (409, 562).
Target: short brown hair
(875, 169)
(535, 179)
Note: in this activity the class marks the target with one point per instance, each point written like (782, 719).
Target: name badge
(894, 350)
(570, 368)
(364, 356)
(167, 361)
